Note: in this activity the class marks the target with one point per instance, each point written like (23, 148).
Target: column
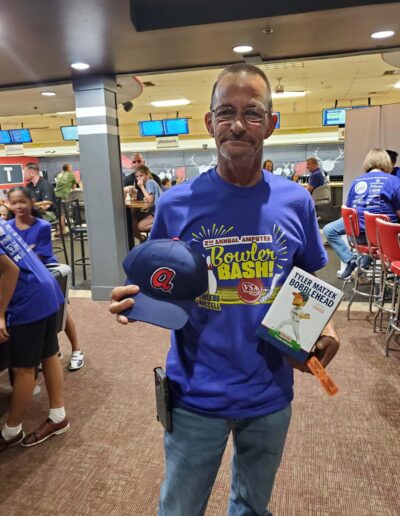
(100, 161)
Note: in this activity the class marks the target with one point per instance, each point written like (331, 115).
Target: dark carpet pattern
(342, 454)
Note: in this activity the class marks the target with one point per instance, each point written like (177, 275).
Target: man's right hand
(120, 301)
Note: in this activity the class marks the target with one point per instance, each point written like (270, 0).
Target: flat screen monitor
(5, 138)
(278, 123)
(20, 136)
(151, 128)
(334, 116)
(69, 133)
(174, 126)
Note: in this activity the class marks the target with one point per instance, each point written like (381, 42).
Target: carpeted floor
(342, 454)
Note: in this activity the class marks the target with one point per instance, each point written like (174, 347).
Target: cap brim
(167, 314)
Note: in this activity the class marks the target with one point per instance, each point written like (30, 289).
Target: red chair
(352, 228)
(389, 247)
(380, 279)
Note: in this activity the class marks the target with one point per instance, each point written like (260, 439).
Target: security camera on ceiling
(127, 106)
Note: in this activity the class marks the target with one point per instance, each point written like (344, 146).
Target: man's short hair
(242, 68)
(165, 181)
(66, 167)
(313, 160)
(377, 158)
(392, 155)
(33, 166)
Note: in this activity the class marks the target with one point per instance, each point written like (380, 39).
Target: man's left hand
(325, 349)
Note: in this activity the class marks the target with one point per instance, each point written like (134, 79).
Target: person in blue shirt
(36, 232)
(253, 228)
(393, 158)
(29, 301)
(376, 191)
(317, 177)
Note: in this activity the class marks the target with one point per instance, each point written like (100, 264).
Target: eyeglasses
(250, 115)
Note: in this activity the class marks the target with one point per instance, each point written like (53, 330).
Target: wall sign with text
(10, 175)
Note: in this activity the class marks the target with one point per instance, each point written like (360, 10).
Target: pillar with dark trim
(100, 162)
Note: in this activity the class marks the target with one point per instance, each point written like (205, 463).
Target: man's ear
(272, 121)
(209, 124)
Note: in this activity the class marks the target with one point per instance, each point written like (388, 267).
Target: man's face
(312, 165)
(244, 96)
(137, 161)
(28, 175)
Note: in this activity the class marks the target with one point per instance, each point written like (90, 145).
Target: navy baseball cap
(170, 275)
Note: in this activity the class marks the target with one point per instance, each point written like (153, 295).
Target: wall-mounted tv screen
(5, 138)
(69, 133)
(151, 128)
(334, 116)
(174, 126)
(20, 136)
(278, 123)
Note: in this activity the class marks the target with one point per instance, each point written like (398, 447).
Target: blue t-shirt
(37, 294)
(38, 238)
(253, 237)
(316, 179)
(376, 192)
(396, 172)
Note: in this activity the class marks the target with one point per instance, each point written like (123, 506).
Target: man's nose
(238, 126)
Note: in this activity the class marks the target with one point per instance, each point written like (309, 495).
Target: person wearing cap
(252, 227)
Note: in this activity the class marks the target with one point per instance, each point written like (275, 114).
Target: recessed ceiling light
(169, 103)
(65, 113)
(397, 85)
(382, 34)
(242, 49)
(80, 66)
(288, 94)
(48, 93)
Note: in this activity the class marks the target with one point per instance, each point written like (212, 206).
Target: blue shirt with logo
(376, 192)
(37, 294)
(38, 238)
(252, 237)
(316, 179)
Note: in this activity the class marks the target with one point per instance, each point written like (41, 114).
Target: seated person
(41, 191)
(165, 184)
(149, 191)
(317, 177)
(375, 191)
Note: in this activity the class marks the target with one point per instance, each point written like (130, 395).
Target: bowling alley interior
(238, 165)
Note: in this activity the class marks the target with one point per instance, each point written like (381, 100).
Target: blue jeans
(193, 453)
(334, 232)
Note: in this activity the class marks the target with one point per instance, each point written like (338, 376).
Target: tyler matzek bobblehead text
(314, 289)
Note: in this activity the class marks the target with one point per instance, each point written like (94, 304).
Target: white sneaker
(37, 389)
(77, 360)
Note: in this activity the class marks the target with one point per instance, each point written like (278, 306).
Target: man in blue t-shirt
(253, 228)
(317, 177)
(29, 301)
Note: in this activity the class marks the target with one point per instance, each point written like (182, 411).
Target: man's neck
(240, 173)
(35, 180)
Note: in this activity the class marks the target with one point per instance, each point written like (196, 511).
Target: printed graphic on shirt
(242, 269)
(10, 244)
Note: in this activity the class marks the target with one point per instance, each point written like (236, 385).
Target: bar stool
(389, 245)
(379, 279)
(352, 228)
(76, 223)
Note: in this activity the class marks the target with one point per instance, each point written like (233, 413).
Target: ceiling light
(382, 34)
(48, 93)
(287, 94)
(397, 85)
(169, 103)
(242, 49)
(65, 113)
(80, 66)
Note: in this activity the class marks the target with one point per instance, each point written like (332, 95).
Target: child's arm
(9, 273)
